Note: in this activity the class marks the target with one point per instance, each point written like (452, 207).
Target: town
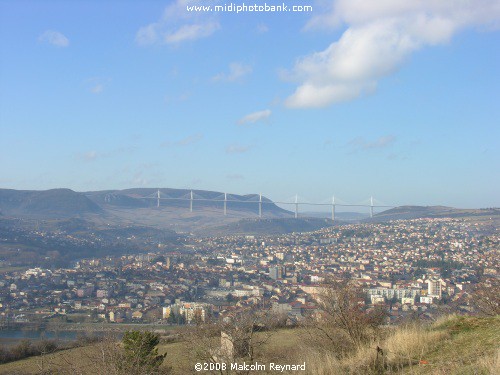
(415, 268)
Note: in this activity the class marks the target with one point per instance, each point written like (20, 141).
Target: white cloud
(96, 85)
(191, 32)
(380, 36)
(236, 72)
(397, 156)
(173, 99)
(190, 139)
(262, 28)
(89, 155)
(186, 141)
(177, 24)
(360, 144)
(255, 117)
(97, 89)
(55, 38)
(140, 181)
(147, 34)
(93, 155)
(235, 176)
(237, 149)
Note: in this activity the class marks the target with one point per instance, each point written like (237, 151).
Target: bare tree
(342, 322)
(485, 296)
(238, 336)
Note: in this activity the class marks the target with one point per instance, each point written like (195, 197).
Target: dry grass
(408, 347)
(95, 359)
(490, 364)
(453, 345)
(322, 364)
(400, 351)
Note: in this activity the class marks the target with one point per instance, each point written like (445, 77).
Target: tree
(238, 336)
(485, 296)
(343, 323)
(140, 354)
(180, 318)
(135, 354)
(171, 317)
(159, 258)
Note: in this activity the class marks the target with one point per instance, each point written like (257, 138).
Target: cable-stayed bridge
(226, 199)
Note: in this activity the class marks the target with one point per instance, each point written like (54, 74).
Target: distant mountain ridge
(146, 197)
(51, 203)
(138, 207)
(416, 212)
(62, 203)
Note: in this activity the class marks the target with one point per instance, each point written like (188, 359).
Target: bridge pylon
(191, 202)
(296, 206)
(225, 204)
(333, 208)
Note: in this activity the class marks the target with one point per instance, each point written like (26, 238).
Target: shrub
(140, 354)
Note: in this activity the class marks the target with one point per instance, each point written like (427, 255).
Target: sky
(395, 99)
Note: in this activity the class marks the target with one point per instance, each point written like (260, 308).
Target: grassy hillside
(454, 345)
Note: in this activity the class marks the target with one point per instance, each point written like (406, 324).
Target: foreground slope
(453, 345)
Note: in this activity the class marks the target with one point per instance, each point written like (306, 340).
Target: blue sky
(398, 100)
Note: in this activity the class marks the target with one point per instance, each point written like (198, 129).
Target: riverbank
(67, 332)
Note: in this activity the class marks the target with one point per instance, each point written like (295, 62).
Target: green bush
(140, 354)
